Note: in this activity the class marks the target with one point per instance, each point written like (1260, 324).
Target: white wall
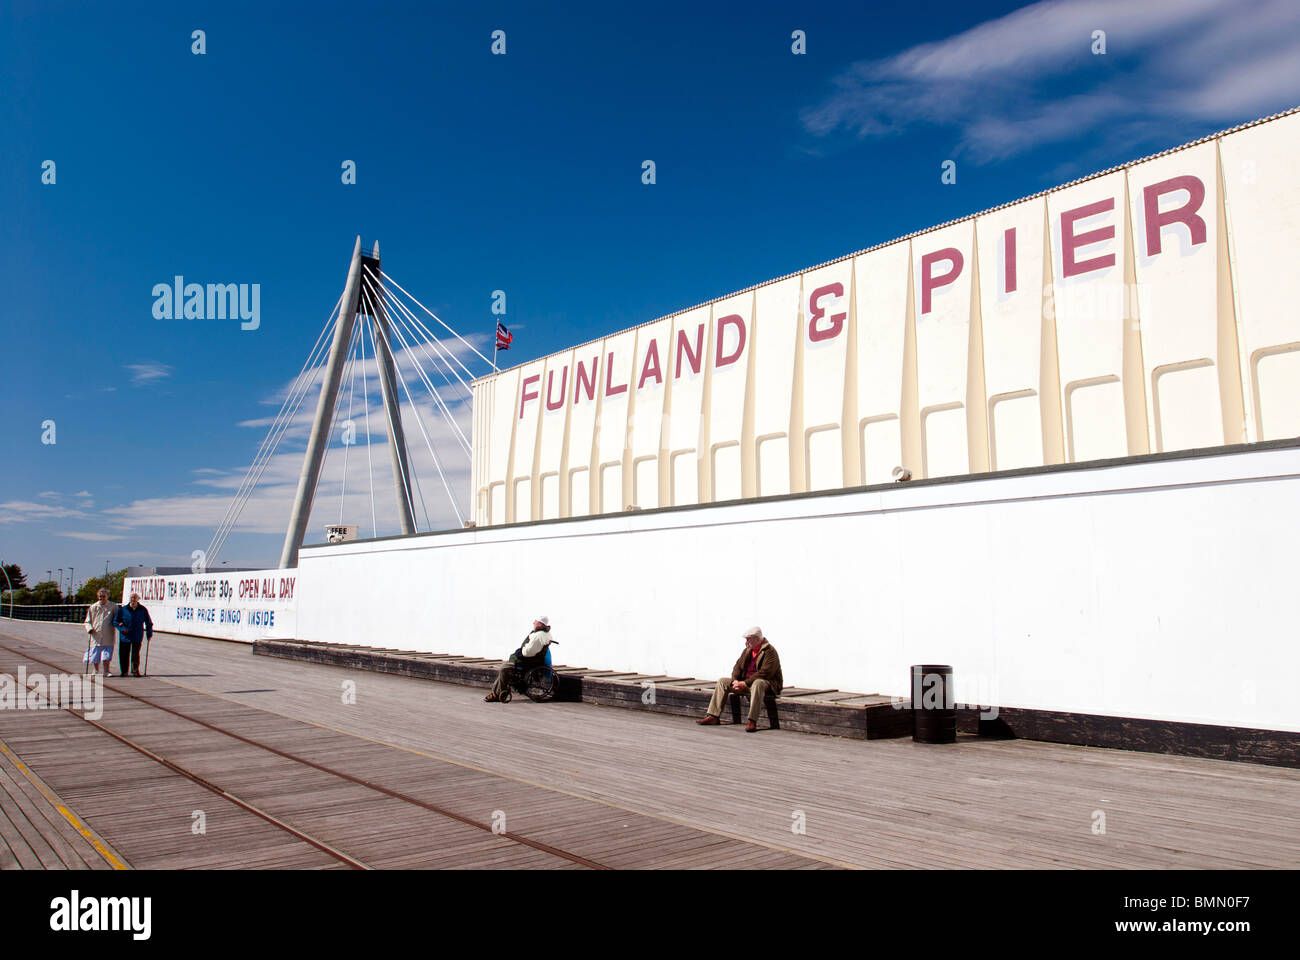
(246, 605)
(1159, 590)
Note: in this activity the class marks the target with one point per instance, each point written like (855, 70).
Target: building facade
(1153, 307)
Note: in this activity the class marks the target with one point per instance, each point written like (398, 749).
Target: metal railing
(52, 612)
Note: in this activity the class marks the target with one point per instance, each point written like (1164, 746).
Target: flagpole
(496, 345)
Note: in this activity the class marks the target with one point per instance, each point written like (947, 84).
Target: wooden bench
(832, 712)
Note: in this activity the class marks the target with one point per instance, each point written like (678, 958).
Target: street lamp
(11, 588)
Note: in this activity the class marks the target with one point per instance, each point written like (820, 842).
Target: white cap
(544, 621)
(753, 632)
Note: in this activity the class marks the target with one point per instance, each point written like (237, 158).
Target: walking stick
(147, 641)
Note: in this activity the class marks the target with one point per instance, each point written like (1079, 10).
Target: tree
(17, 579)
(114, 582)
(46, 594)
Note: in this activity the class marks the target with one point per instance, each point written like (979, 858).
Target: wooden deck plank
(28, 825)
(886, 803)
(72, 848)
(341, 811)
(13, 839)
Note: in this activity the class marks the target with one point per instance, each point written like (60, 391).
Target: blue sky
(478, 173)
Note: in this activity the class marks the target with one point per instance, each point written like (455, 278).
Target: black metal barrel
(934, 709)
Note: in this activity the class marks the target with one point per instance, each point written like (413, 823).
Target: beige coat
(99, 623)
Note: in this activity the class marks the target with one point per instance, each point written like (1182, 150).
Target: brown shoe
(708, 721)
(490, 698)
(751, 726)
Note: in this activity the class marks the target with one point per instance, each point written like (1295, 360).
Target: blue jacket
(132, 624)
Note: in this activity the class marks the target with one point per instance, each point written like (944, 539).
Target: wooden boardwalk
(269, 791)
(39, 831)
(581, 785)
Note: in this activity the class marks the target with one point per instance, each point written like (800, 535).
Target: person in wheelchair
(530, 655)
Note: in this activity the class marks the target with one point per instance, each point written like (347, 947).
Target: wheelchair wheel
(506, 696)
(539, 684)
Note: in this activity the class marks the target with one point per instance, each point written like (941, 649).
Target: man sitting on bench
(757, 672)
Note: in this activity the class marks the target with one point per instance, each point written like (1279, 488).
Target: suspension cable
(299, 387)
(428, 384)
(419, 422)
(365, 394)
(373, 329)
(436, 317)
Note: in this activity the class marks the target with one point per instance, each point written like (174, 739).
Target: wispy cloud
(148, 372)
(199, 512)
(267, 509)
(25, 511)
(998, 84)
(78, 535)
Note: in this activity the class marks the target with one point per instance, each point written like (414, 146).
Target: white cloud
(148, 372)
(267, 509)
(88, 536)
(25, 511)
(266, 512)
(1166, 63)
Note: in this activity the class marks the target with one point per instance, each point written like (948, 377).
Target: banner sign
(246, 605)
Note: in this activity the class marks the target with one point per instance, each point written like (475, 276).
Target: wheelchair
(536, 683)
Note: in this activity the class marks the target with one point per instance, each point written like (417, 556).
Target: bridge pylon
(349, 308)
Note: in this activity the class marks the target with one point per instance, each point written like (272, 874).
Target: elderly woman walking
(99, 625)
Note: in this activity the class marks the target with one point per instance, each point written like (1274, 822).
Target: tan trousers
(757, 693)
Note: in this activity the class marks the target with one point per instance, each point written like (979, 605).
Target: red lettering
(1070, 241)
(684, 346)
(651, 360)
(1186, 214)
(564, 384)
(610, 389)
(816, 312)
(1009, 260)
(580, 377)
(729, 321)
(929, 282)
(525, 396)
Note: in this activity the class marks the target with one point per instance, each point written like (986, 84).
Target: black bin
(934, 709)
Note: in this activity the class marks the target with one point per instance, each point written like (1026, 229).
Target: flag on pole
(504, 336)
